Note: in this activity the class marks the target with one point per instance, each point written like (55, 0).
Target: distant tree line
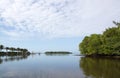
(58, 52)
(12, 50)
(107, 43)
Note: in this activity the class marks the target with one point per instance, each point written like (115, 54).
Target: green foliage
(91, 45)
(107, 43)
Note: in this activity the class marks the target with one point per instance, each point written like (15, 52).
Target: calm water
(58, 66)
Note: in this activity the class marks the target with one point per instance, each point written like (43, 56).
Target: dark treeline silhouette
(106, 44)
(58, 52)
(10, 51)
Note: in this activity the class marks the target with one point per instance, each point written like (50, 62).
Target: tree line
(107, 43)
(12, 50)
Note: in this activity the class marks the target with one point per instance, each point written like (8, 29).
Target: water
(58, 66)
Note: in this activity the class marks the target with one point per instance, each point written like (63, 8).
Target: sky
(57, 25)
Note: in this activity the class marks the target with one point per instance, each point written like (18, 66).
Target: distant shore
(13, 53)
(57, 53)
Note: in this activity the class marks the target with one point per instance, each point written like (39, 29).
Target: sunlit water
(58, 66)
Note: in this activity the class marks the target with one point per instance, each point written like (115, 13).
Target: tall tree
(7, 48)
(1, 47)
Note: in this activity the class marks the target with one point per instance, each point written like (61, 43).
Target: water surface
(58, 66)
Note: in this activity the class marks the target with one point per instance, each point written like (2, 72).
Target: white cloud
(56, 18)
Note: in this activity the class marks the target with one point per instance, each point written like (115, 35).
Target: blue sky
(43, 25)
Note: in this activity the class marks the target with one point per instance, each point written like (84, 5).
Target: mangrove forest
(107, 43)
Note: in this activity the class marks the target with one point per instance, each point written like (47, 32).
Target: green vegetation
(57, 52)
(107, 43)
(11, 51)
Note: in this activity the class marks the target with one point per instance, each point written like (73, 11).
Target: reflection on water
(12, 58)
(100, 67)
(1, 61)
(41, 66)
(63, 66)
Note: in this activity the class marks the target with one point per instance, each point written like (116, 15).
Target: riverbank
(104, 56)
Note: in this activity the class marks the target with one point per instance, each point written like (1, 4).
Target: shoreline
(104, 56)
(101, 56)
(13, 53)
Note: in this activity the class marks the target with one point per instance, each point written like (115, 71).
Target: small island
(105, 44)
(57, 53)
